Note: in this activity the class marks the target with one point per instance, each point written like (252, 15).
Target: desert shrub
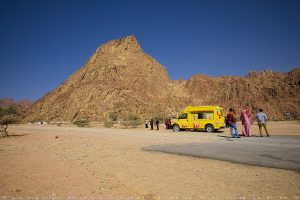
(160, 117)
(111, 120)
(113, 117)
(108, 123)
(58, 123)
(132, 121)
(125, 123)
(8, 115)
(82, 123)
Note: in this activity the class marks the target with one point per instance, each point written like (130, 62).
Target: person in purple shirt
(262, 118)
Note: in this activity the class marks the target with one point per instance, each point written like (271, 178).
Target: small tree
(8, 115)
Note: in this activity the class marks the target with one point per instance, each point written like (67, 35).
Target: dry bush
(82, 123)
(111, 120)
(132, 121)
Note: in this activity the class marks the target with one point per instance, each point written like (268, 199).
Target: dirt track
(105, 163)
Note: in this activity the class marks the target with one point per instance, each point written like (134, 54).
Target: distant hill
(120, 78)
(21, 105)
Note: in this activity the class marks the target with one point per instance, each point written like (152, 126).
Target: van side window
(183, 116)
(205, 115)
(200, 116)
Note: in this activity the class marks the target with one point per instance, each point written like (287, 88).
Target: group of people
(245, 118)
(167, 123)
(152, 123)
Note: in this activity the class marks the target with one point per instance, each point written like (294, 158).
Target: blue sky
(43, 42)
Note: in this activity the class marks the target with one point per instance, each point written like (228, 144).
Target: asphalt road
(276, 151)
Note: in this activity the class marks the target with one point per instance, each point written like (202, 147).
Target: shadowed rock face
(121, 78)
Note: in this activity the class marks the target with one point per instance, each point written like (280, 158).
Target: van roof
(191, 108)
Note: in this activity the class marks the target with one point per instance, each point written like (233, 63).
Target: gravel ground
(43, 161)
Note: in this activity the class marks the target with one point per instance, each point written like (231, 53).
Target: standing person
(146, 123)
(151, 124)
(157, 124)
(232, 123)
(262, 121)
(167, 124)
(249, 115)
(170, 122)
(226, 122)
(246, 122)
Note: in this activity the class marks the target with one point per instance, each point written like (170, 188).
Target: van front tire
(209, 128)
(176, 128)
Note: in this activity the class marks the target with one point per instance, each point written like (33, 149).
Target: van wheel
(176, 128)
(209, 128)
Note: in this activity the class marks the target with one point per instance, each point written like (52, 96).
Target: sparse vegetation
(160, 117)
(108, 124)
(58, 123)
(8, 115)
(113, 116)
(111, 120)
(82, 123)
(132, 121)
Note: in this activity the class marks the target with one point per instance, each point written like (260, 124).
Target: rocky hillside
(277, 93)
(120, 78)
(21, 105)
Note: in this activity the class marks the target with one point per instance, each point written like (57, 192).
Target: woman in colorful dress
(246, 122)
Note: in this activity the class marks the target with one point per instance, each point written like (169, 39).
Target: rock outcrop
(120, 78)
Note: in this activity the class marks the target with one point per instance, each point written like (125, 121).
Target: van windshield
(183, 116)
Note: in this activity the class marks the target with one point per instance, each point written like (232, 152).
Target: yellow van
(208, 118)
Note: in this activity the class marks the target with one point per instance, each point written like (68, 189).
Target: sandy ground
(51, 162)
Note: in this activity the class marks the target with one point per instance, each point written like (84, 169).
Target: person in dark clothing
(227, 121)
(151, 124)
(157, 124)
(167, 124)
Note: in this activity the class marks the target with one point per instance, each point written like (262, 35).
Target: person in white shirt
(262, 121)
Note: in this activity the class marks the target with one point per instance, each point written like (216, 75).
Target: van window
(183, 116)
(206, 115)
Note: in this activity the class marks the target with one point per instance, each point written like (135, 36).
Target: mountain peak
(120, 78)
(125, 44)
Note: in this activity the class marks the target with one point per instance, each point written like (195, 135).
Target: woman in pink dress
(246, 122)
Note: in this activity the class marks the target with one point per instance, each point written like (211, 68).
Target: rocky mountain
(277, 93)
(120, 78)
(21, 105)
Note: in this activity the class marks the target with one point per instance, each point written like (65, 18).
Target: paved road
(276, 151)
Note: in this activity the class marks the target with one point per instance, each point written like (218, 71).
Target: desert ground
(68, 162)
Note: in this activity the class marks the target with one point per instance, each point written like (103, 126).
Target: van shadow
(203, 131)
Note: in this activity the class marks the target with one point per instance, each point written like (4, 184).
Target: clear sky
(43, 42)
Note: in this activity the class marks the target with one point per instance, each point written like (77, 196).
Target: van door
(196, 120)
(190, 120)
(182, 121)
